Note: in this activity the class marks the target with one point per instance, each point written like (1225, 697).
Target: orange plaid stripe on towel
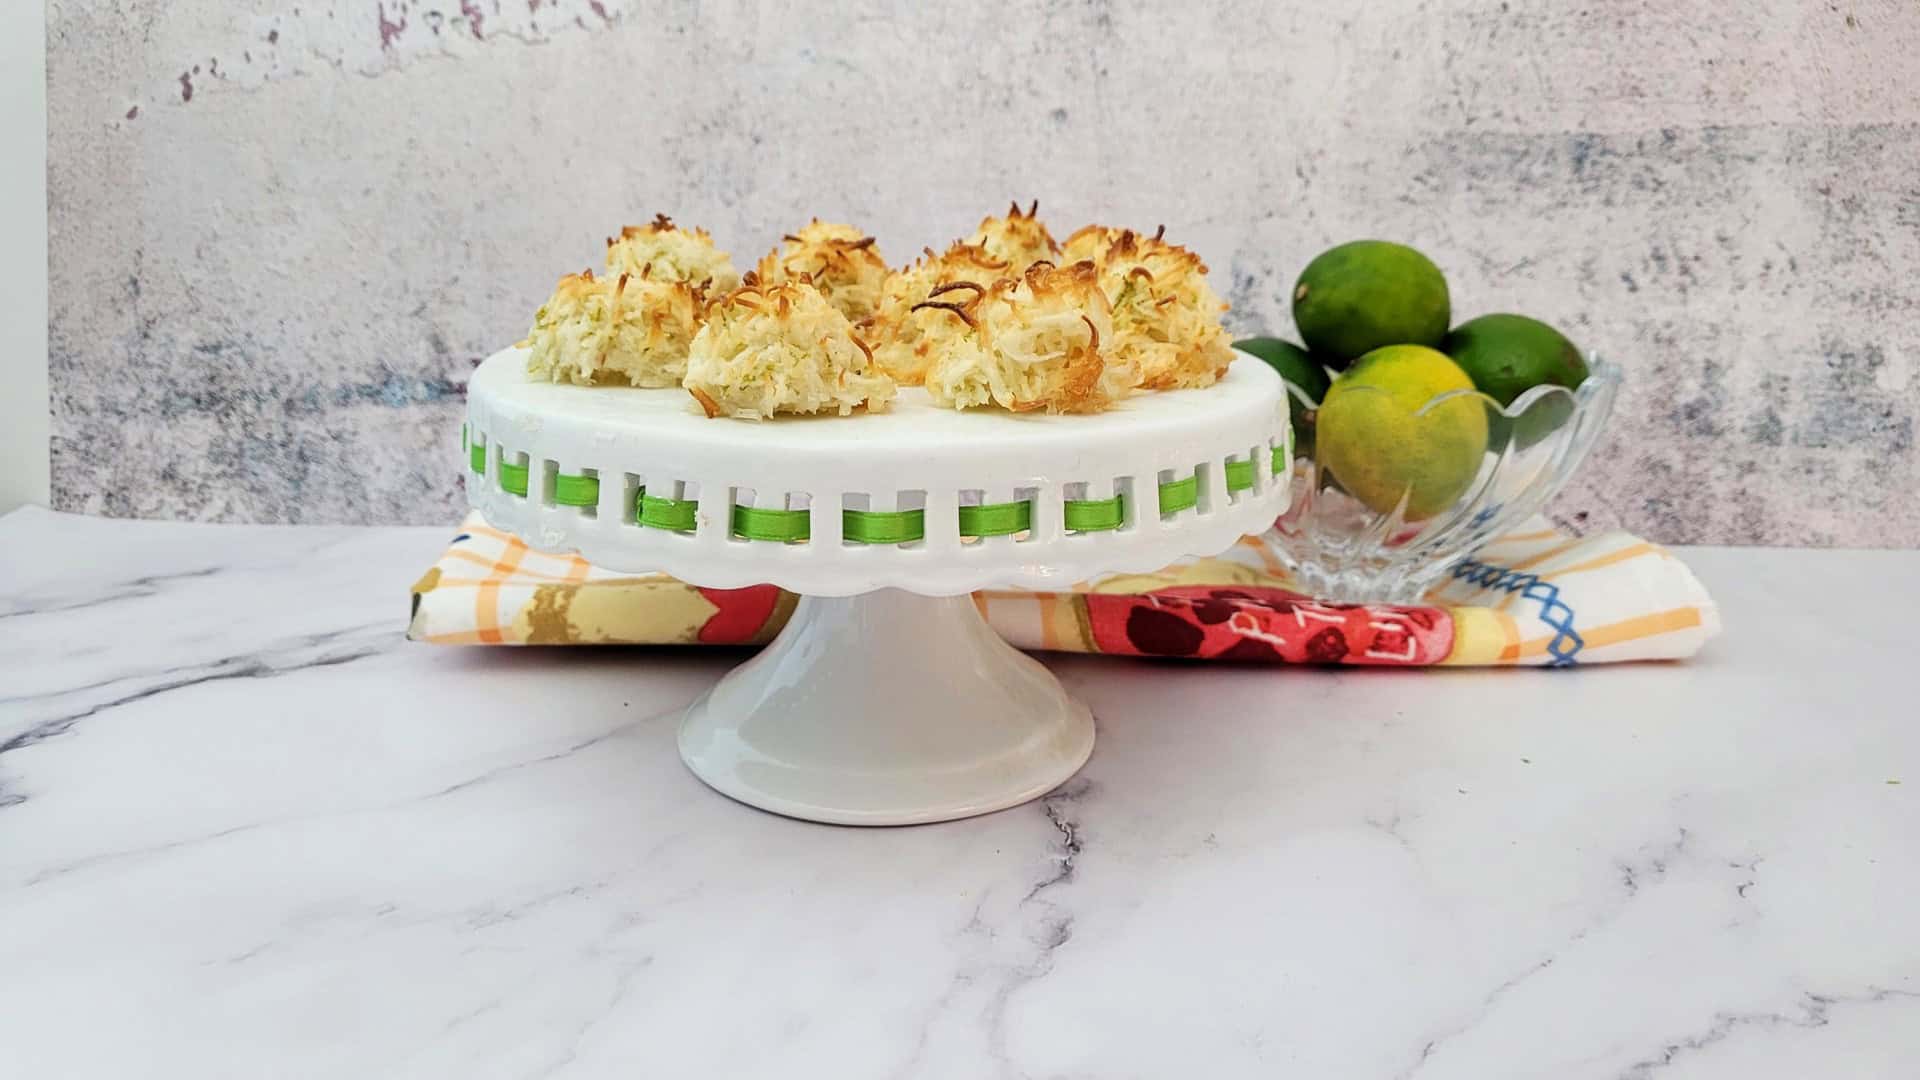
(1536, 597)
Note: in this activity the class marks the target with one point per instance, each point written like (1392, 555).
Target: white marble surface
(246, 830)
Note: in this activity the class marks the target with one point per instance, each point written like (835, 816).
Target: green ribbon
(865, 526)
(780, 526)
(1178, 495)
(1095, 515)
(883, 526)
(1239, 475)
(675, 515)
(581, 490)
(996, 519)
(513, 478)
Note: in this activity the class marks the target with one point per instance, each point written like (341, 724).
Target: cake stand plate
(887, 699)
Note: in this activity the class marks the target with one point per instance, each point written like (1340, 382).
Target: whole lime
(1375, 438)
(1304, 375)
(1508, 355)
(1355, 298)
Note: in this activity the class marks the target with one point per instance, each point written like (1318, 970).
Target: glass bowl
(1403, 539)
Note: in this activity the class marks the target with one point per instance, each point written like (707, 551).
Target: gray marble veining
(283, 233)
(246, 830)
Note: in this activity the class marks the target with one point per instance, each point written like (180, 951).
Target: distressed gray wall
(284, 232)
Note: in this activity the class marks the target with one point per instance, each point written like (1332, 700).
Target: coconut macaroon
(614, 330)
(1166, 318)
(838, 260)
(1002, 247)
(662, 251)
(1029, 345)
(781, 348)
(1019, 239)
(943, 323)
(892, 329)
(897, 330)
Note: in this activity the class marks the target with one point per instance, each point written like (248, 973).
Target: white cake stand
(886, 700)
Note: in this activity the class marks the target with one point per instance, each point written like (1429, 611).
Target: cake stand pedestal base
(887, 708)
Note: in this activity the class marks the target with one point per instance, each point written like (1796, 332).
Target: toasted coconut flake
(973, 255)
(944, 306)
(1091, 242)
(1018, 240)
(978, 289)
(707, 404)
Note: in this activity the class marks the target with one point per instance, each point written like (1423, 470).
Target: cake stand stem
(888, 708)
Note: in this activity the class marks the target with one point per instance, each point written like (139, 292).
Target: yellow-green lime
(1355, 298)
(1375, 441)
(1303, 372)
(1508, 355)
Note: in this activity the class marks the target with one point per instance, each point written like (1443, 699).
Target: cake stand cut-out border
(886, 699)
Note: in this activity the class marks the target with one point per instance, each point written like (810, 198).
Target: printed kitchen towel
(1536, 597)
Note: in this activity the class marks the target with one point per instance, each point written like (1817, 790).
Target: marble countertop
(247, 830)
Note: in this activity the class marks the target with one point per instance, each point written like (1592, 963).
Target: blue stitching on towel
(1566, 643)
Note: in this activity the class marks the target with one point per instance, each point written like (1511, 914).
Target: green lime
(1508, 355)
(1382, 448)
(1357, 297)
(1300, 370)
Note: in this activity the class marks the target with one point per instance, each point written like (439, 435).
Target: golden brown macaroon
(662, 251)
(897, 331)
(1019, 239)
(1031, 344)
(943, 325)
(1166, 317)
(892, 330)
(781, 348)
(838, 260)
(614, 330)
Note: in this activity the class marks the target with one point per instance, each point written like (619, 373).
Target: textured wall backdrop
(284, 232)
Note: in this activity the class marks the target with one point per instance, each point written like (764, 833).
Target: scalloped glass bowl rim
(1600, 373)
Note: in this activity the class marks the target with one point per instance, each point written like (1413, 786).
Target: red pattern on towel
(1266, 625)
